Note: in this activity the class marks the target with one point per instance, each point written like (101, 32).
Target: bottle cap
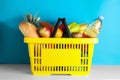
(101, 17)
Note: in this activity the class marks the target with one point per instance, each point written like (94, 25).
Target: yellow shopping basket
(61, 55)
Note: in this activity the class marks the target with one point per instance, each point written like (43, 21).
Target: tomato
(62, 27)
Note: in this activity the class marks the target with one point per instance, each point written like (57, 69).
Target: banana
(71, 24)
(83, 26)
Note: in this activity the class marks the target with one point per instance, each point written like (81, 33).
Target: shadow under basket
(61, 55)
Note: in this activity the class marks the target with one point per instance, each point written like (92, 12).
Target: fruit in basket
(77, 35)
(28, 27)
(83, 26)
(44, 32)
(59, 33)
(75, 28)
(71, 24)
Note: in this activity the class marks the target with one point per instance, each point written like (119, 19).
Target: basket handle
(67, 31)
(57, 26)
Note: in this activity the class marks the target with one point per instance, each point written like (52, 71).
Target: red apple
(44, 32)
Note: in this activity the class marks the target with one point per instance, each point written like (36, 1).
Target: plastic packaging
(93, 29)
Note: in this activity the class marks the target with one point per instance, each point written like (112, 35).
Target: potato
(77, 35)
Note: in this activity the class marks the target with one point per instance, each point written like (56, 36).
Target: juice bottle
(93, 29)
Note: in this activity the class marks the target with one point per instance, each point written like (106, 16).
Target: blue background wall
(13, 50)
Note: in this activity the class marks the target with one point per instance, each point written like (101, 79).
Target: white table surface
(22, 72)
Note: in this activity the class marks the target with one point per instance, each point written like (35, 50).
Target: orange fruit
(59, 33)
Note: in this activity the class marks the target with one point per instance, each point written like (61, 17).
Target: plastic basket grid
(61, 56)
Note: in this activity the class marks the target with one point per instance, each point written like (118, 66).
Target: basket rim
(61, 40)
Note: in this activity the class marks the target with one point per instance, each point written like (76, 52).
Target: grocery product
(28, 27)
(82, 27)
(77, 35)
(57, 29)
(71, 24)
(93, 28)
(44, 32)
(75, 28)
(59, 33)
(34, 28)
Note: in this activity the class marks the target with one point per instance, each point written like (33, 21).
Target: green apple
(75, 28)
(71, 24)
